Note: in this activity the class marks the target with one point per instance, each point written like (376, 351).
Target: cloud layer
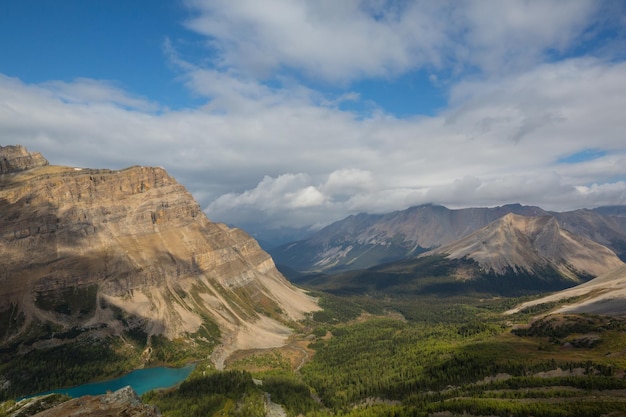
(270, 150)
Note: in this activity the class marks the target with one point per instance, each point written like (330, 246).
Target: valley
(459, 356)
(507, 311)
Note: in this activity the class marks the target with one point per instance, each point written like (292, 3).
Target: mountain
(604, 225)
(17, 158)
(531, 245)
(129, 252)
(365, 240)
(513, 255)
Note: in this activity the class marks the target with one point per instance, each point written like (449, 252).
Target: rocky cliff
(113, 250)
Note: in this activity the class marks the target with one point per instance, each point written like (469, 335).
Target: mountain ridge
(382, 238)
(531, 244)
(512, 256)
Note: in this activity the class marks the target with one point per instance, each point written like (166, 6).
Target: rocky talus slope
(530, 244)
(79, 246)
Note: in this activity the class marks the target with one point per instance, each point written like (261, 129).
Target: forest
(400, 357)
(382, 356)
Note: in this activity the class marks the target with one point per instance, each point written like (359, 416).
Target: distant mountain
(119, 253)
(512, 255)
(604, 225)
(365, 240)
(531, 245)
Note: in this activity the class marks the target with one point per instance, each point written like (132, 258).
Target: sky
(287, 115)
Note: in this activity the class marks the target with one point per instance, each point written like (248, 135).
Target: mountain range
(365, 240)
(110, 253)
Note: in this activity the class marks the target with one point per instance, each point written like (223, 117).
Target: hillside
(604, 295)
(129, 253)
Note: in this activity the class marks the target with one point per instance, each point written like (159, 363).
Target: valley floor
(418, 357)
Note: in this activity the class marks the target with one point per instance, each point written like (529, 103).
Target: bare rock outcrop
(123, 403)
(15, 158)
(79, 245)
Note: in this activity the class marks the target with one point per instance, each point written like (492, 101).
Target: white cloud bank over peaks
(523, 138)
(534, 94)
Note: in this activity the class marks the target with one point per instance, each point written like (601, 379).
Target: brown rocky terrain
(531, 244)
(17, 158)
(79, 246)
(123, 403)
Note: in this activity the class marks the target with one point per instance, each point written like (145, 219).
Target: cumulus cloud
(296, 161)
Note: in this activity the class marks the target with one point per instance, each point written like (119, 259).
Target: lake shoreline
(141, 380)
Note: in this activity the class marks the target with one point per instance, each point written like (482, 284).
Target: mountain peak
(532, 243)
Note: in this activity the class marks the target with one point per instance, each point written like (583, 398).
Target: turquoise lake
(141, 380)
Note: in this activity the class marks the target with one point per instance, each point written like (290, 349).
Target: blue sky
(289, 114)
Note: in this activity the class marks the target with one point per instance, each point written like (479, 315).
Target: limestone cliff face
(78, 245)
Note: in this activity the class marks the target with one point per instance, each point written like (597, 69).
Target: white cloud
(283, 154)
(500, 141)
(502, 36)
(308, 197)
(348, 181)
(339, 41)
(95, 92)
